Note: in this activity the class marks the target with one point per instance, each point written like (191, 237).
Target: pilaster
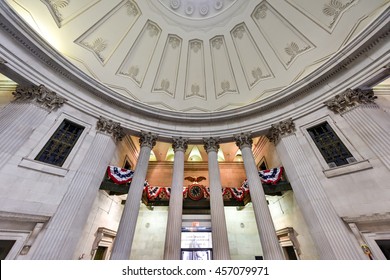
(25, 113)
(65, 228)
(358, 108)
(330, 235)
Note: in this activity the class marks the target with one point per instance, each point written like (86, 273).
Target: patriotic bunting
(271, 176)
(123, 176)
(120, 175)
(154, 193)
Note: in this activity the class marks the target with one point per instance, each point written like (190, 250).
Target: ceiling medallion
(195, 10)
(175, 4)
(218, 4)
(204, 10)
(189, 10)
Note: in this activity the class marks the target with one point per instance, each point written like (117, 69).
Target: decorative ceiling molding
(100, 38)
(224, 80)
(327, 14)
(197, 10)
(306, 94)
(64, 11)
(137, 61)
(251, 59)
(287, 43)
(195, 76)
(168, 69)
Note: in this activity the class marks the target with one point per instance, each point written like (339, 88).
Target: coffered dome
(199, 56)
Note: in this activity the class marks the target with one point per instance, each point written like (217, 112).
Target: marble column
(268, 238)
(24, 114)
(218, 222)
(331, 236)
(124, 238)
(64, 229)
(366, 118)
(172, 249)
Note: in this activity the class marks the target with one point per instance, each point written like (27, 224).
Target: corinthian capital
(243, 140)
(279, 129)
(180, 143)
(211, 144)
(110, 127)
(40, 95)
(147, 139)
(349, 99)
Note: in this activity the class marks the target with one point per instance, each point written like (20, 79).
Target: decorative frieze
(350, 99)
(147, 139)
(282, 128)
(40, 95)
(243, 140)
(179, 143)
(211, 144)
(110, 127)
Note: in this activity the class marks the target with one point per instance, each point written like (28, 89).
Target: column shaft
(218, 221)
(269, 240)
(172, 249)
(124, 239)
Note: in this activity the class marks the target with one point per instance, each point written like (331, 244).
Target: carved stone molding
(350, 99)
(211, 144)
(179, 143)
(282, 128)
(40, 95)
(147, 139)
(243, 140)
(110, 127)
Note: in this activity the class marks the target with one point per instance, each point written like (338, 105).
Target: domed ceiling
(198, 55)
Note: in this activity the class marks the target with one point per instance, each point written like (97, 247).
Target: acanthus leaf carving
(243, 140)
(40, 95)
(349, 99)
(211, 144)
(282, 128)
(179, 143)
(110, 127)
(147, 139)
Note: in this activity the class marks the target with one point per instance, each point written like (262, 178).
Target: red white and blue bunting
(154, 193)
(271, 176)
(123, 176)
(120, 175)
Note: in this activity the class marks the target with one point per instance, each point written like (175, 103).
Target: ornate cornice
(350, 99)
(211, 144)
(179, 144)
(110, 127)
(243, 140)
(147, 139)
(40, 95)
(282, 128)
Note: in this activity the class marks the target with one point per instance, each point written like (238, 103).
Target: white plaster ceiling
(198, 56)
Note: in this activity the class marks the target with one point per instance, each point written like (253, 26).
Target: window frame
(329, 172)
(320, 148)
(30, 162)
(49, 143)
